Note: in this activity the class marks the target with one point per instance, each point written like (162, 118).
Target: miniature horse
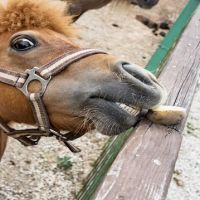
(95, 92)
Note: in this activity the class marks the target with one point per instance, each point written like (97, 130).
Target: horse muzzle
(114, 107)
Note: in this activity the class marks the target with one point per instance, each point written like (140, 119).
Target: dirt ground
(35, 173)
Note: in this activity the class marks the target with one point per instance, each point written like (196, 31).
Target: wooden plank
(144, 167)
(141, 169)
(114, 145)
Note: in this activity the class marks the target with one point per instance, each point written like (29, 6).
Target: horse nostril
(139, 73)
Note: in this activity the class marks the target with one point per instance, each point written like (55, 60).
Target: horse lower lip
(129, 109)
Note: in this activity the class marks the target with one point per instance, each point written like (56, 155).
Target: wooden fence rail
(144, 166)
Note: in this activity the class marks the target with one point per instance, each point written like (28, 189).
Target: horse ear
(76, 8)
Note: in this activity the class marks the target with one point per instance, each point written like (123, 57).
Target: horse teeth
(131, 110)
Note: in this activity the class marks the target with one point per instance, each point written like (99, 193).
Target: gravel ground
(38, 172)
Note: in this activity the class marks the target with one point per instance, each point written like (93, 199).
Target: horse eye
(23, 43)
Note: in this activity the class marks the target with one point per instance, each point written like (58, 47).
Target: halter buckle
(32, 76)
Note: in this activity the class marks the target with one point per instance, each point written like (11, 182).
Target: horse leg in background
(146, 4)
(78, 7)
(3, 142)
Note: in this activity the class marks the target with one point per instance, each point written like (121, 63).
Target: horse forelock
(16, 15)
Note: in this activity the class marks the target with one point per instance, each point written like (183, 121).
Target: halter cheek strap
(44, 74)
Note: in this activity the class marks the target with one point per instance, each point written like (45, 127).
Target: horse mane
(16, 15)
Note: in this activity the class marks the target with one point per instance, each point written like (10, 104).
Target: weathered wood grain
(144, 167)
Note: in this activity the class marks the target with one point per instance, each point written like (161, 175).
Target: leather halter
(44, 74)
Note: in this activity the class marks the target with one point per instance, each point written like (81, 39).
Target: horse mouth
(112, 118)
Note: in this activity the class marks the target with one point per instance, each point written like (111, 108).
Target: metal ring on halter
(33, 76)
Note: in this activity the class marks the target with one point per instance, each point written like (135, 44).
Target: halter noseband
(44, 74)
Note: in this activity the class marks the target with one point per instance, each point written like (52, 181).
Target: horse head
(100, 91)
